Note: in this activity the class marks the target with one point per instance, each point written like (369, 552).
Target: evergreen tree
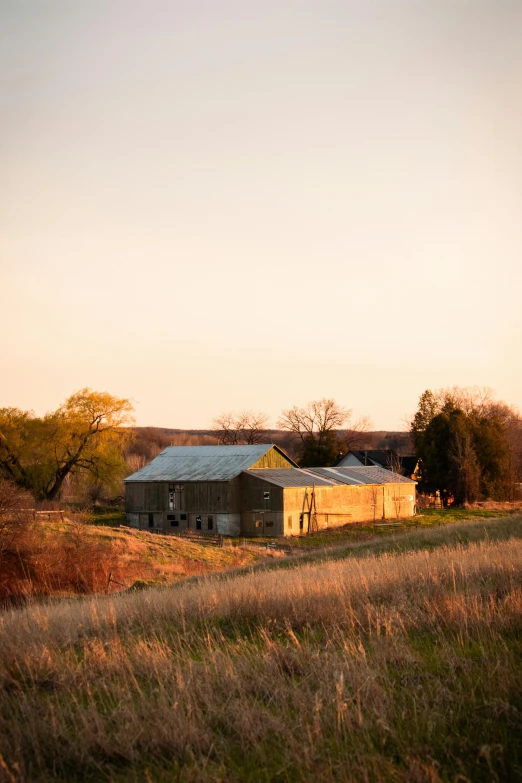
(464, 453)
(428, 407)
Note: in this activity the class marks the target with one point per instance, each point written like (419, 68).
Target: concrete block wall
(340, 505)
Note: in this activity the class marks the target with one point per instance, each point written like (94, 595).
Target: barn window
(183, 517)
(175, 496)
(269, 524)
(172, 519)
(151, 520)
(210, 523)
(198, 523)
(289, 522)
(301, 521)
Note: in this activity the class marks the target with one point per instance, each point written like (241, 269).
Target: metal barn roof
(292, 477)
(201, 463)
(362, 475)
(327, 477)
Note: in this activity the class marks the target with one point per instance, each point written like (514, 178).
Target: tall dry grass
(44, 562)
(393, 667)
(47, 560)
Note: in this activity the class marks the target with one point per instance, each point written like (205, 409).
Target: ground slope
(395, 665)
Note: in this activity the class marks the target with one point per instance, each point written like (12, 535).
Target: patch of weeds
(144, 584)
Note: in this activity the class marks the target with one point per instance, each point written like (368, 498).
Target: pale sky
(249, 204)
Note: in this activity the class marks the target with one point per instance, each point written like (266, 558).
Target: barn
(258, 490)
(197, 487)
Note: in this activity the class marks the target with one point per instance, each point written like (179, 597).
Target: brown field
(389, 666)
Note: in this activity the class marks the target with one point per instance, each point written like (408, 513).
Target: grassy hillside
(58, 559)
(397, 663)
(90, 553)
(138, 554)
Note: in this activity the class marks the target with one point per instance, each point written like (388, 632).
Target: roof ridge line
(309, 471)
(341, 475)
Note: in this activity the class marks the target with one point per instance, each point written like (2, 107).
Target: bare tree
(245, 427)
(317, 427)
(355, 435)
(394, 463)
(478, 400)
(315, 420)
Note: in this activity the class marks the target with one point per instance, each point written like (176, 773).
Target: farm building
(381, 458)
(258, 490)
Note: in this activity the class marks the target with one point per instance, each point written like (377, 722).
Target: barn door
(269, 521)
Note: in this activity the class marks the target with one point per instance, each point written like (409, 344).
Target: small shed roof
(292, 477)
(362, 474)
(201, 463)
(369, 456)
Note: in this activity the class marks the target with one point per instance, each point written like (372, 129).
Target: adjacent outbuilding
(381, 458)
(258, 491)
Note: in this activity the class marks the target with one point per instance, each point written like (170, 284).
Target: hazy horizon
(209, 207)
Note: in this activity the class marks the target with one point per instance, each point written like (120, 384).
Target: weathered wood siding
(253, 491)
(206, 505)
(258, 508)
(262, 515)
(272, 459)
(213, 496)
(262, 523)
(201, 496)
(146, 496)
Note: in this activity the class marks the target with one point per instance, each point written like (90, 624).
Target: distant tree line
(312, 433)
(469, 445)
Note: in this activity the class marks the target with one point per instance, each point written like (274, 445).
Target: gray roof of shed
(201, 463)
(292, 477)
(381, 456)
(327, 477)
(362, 475)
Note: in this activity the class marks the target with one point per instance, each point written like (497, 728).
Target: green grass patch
(109, 517)
(441, 516)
